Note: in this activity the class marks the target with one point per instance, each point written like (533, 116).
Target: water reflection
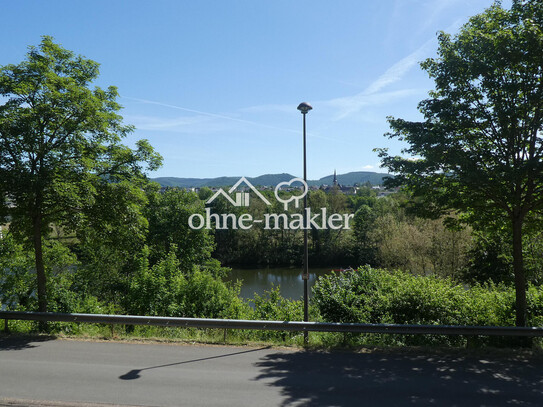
(288, 279)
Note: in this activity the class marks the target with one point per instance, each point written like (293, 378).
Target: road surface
(71, 372)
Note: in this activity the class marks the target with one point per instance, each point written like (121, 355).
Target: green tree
(110, 238)
(479, 149)
(60, 147)
(205, 193)
(420, 246)
(491, 256)
(168, 214)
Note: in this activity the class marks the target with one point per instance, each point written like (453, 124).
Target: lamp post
(305, 107)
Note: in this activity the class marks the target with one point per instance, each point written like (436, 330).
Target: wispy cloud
(167, 122)
(348, 105)
(372, 94)
(434, 9)
(201, 120)
(397, 71)
(339, 108)
(375, 93)
(269, 108)
(215, 115)
(186, 124)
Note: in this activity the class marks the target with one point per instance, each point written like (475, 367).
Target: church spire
(335, 179)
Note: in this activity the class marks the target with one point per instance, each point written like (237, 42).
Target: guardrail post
(6, 325)
(470, 341)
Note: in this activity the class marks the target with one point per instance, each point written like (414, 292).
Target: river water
(288, 279)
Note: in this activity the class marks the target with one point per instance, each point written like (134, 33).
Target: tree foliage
(168, 213)
(60, 150)
(479, 149)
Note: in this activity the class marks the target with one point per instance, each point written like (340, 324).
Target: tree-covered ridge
(350, 178)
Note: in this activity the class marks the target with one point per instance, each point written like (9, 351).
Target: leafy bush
(18, 279)
(378, 296)
(208, 297)
(17, 282)
(271, 306)
(164, 290)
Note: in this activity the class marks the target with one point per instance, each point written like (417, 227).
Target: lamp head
(304, 107)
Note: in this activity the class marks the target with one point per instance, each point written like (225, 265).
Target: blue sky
(214, 84)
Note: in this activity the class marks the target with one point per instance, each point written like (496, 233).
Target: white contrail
(219, 116)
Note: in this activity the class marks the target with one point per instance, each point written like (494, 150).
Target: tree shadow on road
(395, 378)
(21, 342)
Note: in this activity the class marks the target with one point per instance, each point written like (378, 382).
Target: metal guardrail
(275, 325)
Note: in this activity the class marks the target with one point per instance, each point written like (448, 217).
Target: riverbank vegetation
(418, 272)
(365, 295)
(458, 242)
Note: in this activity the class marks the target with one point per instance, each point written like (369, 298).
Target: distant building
(336, 186)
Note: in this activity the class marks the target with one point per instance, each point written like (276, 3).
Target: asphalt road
(71, 372)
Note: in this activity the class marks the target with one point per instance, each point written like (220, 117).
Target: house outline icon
(242, 198)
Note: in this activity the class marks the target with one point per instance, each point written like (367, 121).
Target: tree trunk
(40, 269)
(518, 268)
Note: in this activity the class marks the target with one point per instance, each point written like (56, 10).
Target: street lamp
(305, 107)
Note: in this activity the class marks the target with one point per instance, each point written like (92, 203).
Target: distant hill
(262, 180)
(351, 178)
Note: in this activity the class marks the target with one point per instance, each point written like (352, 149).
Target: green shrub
(378, 296)
(164, 290)
(18, 279)
(489, 305)
(271, 306)
(534, 299)
(206, 296)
